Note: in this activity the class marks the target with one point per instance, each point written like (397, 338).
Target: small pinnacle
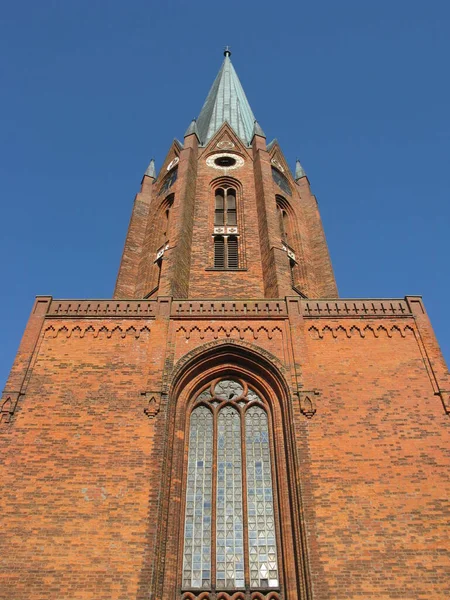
(227, 51)
(299, 170)
(257, 129)
(151, 171)
(192, 128)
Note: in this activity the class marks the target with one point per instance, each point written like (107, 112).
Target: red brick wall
(85, 471)
(375, 465)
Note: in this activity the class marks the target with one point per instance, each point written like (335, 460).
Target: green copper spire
(226, 101)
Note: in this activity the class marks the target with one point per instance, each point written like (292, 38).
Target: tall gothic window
(229, 530)
(226, 251)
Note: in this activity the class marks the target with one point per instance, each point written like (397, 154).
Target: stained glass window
(229, 519)
(197, 529)
(235, 413)
(261, 524)
(281, 181)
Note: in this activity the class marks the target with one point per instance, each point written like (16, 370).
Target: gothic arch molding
(239, 350)
(265, 373)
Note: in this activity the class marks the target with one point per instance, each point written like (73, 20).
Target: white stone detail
(210, 161)
(276, 163)
(173, 163)
(160, 252)
(225, 145)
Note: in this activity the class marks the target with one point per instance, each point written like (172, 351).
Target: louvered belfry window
(219, 252)
(229, 531)
(226, 250)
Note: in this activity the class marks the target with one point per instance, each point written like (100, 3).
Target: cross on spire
(227, 51)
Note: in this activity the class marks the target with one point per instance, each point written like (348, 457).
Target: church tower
(225, 427)
(225, 218)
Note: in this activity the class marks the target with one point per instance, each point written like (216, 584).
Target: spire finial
(227, 51)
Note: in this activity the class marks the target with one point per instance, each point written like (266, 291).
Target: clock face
(281, 181)
(168, 181)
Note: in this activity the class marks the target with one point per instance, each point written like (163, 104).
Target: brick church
(226, 427)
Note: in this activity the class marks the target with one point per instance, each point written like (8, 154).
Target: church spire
(226, 102)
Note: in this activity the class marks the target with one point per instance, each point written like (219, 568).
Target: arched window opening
(230, 532)
(231, 207)
(290, 241)
(219, 217)
(226, 229)
(281, 181)
(225, 213)
(168, 182)
(166, 224)
(284, 223)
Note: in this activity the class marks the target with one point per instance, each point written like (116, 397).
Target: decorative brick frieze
(93, 331)
(355, 308)
(227, 308)
(372, 330)
(103, 308)
(232, 595)
(261, 332)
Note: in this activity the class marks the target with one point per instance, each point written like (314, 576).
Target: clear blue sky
(91, 90)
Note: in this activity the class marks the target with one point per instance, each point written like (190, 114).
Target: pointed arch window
(229, 528)
(226, 243)
(225, 207)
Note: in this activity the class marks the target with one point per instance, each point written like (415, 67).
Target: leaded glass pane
(253, 396)
(229, 542)
(197, 533)
(228, 389)
(261, 524)
(206, 395)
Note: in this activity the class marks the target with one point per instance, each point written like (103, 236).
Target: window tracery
(230, 533)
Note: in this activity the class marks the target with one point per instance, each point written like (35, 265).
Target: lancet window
(289, 238)
(229, 529)
(226, 245)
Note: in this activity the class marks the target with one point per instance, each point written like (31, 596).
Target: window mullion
(214, 505)
(225, 251)
(244, 501)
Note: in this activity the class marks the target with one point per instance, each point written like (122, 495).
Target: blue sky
(91, 90)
